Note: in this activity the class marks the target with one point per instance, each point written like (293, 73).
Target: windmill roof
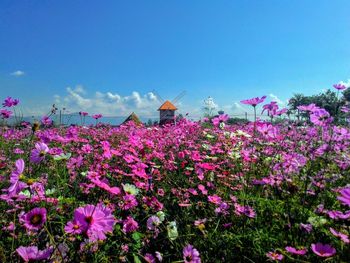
(167, 106)
(132, 117)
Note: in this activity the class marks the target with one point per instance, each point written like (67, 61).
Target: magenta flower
(311, 107)
(274, 256)
(153, 222)
(74, 228)
(38, 154)
(95, 221)
(271, 108)
(323, 250)
(191, 255)
(83, 113)
(130, 225)
(320, 117)
(34, 219)
(339, 86)
(97, 116)
(129, 201)
(45, 120)
(254, 101)
(16, 185)
(9, 102)
(295, 251)
(33, 253)
(220, 119)
(344, 196)
(5, 114)
(342, 236)
(215, 199)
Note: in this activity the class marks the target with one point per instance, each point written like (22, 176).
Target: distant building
(132, 117)
(167, 113)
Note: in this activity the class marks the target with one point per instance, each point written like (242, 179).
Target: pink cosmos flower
(130, 225)
(339, 86)
(38, 154)
(33, 253)
(215, 199)
(295, 251)
(191, 254)
(323, 250)
(343, 237)
(306, 227)
(344, 196)
(5, 114)
(222, 118)
(129, 201)
(34, 219)
(254, 101)
(320, 117)
(153, 222)
(274, 256)
(267, 130)
(97, 116)
(45, 120)
(74, 228)
(271, 108)
(9, 102)
(83, 113)
(16, 185)
(311, 107)
(95, 221)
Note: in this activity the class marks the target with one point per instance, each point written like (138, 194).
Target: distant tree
(297, 100)
(221, 112)
(149, 123)
(346, 95)
(237, 121)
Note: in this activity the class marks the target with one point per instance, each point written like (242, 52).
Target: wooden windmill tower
(167, 109)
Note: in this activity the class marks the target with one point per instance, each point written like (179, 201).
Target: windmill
(167, 109)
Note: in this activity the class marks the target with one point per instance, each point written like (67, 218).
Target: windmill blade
(159, 98)
(178, 97)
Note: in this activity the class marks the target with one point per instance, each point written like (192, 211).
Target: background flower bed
(190, 192)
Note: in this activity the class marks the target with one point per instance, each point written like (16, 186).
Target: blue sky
(107, 56)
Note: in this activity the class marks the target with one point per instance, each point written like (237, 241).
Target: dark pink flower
(9, 102)
(153, 222)
(320, 117)
(130, 225)
(191, 255)
(343, 237)
(74, 227)
(33, 253)
(323, 250)
(34, 219)
(274, 256)
(97, 116)
(254, 101)
(45, 120)
(5, 114)
(95, 221)
(39, 153)
(295, 251)
(344, 196)
(339, 86)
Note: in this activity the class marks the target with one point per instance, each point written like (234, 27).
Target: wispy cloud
(18, 73)
(109, 103)
(278, 100)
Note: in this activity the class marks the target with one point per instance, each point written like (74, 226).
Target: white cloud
(18, 73)
(278, 100)
(109, 104)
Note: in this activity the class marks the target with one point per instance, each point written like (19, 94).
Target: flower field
(189, 192)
